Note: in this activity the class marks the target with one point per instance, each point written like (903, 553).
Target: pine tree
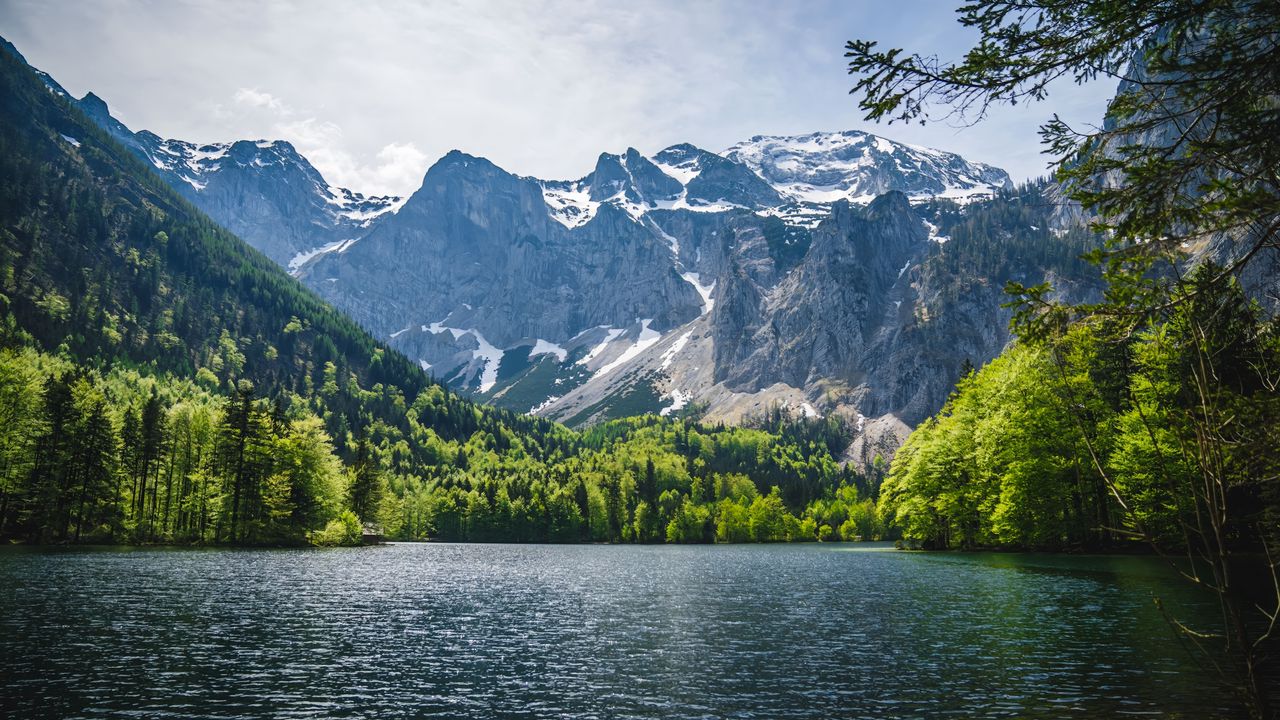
(97, 460)
(367, 484)
(239, 439)
(152, 436)
(46, 489)
(1187, 156)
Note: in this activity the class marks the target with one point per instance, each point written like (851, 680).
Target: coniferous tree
(1186, 158)
(367, 484)
(21, 424)
(239, 457)
(47, 484)
(97, 455)
(151, 435)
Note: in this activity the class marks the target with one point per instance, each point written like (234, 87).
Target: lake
(437, 630)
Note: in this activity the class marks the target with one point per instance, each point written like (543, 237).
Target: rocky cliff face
(476, 256)
(870, 315)
(654, 282)
(266, 193)
(1260, 276)
(815, 322)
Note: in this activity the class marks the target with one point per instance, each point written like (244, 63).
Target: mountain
(852, 165)
(800, 271)
(629, 253)
(870, 315)
(264, 191)
(475, 265)
(653, 284)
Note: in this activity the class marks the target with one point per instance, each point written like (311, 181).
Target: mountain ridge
(685, 279)
(264, 191)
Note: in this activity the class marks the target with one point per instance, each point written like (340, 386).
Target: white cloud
(400, 165)
(254, 98)
(396, 168)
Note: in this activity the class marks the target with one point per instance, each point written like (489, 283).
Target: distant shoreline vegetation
(123, 456)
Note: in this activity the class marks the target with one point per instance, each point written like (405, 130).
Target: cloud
(254, 98)
(395, 169)
(400, 165)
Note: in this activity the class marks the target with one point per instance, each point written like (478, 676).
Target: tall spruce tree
(367, 486)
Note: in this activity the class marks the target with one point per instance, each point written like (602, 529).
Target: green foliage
(367, 486)
(997, 242)
(130, 455)
(100, 258)
(689, 523)
(646, 479)
(342, 531)
(1042, 449)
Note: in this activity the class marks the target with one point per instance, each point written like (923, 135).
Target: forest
(123, 455)
(1092, 439)
(163, 383)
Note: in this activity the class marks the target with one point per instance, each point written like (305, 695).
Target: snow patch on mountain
(569, 204)
(704, 290)
(679, 400)
(684, 171)
(486, 352)
(543, 405)
(189, 161)
(698, 205)
(808, 172)
(296, 263)
(935, 234)
(611, 334)
(359, 208)
(670, 353)
(644, 341)
(544, 347)
(198, 165)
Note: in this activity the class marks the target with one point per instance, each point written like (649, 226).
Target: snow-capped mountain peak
(265, 191)
(794, 177)
(823, 167)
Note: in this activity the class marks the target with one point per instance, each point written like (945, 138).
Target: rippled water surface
(814, 631)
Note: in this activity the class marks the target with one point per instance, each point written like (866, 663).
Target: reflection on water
(811, 631)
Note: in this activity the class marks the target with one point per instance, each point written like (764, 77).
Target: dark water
(815, 631)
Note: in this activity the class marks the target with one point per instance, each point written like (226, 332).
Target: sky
(374, 92)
